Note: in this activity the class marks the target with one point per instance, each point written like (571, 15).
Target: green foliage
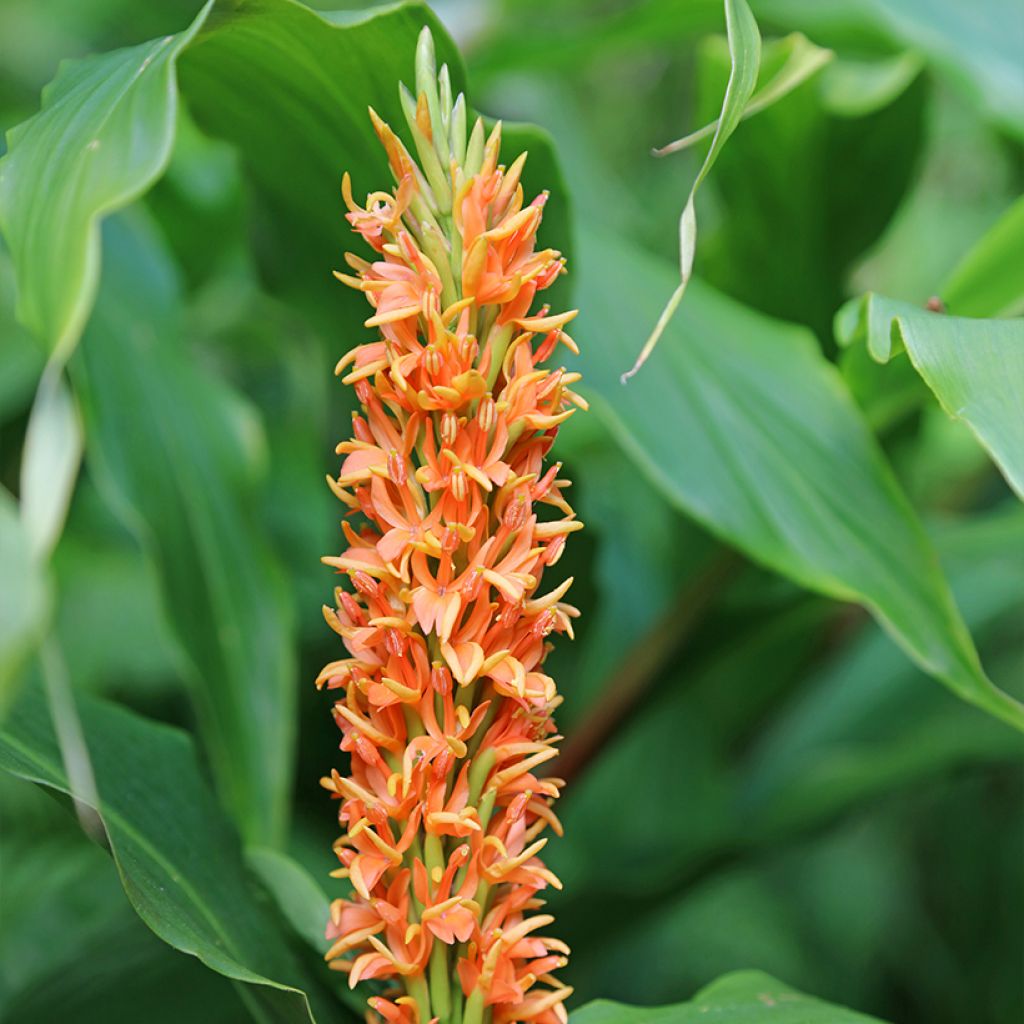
(744, 41)
(24, 597)
(751, 432)
(974, 367)
(104, 134)
(762, 775)
(989, 281)
(743, 998)
(187, 882)
(186, 487)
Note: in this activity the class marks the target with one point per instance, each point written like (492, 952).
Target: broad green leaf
(127, 974)
(747, 428)
(103, 136)
(976, 46)
(62, 896)
(111, 121)
(800, 59)
(49, 461)
(865, 720)
(302, 901)
(989, 281)
(187, 882)
(974, 367)
(172, 448)
(744, 997)
(24, 596)
(315, 74)
(745, 59)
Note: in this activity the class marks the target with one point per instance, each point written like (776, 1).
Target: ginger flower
(442, 702)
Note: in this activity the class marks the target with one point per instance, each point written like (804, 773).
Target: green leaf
(187, 882)
(800, 59)
(315, 79)
(107, 128)
(865, 720)
(744, 997)
(748, 429)
(49, 462)
(23, 357)
(127, 975)
(62, 895)
(24, 596)
(974, 367)
(976, 46)
(103, 136)
(856, 88)
(173, 450)
(989, 281)
(745, 59)
(793, 214)
(302, 901)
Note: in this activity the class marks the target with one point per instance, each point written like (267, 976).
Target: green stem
(440, 988)
(474, 1013)
(418, 990)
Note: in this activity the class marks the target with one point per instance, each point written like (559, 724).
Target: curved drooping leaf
(103, 136)
(745, 60)
(800, 59)
(794, 215)
(747, 428)
(744, 997)
(974, 367)
(49, 461)
(172, 448)
(179, 860)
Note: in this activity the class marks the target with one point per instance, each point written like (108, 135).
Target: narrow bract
(452, 518)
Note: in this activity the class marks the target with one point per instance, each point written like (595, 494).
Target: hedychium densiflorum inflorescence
(442, 702)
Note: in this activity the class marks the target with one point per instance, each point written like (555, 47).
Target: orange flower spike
(440, 698)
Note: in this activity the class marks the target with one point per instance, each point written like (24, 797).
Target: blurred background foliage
(760, 776)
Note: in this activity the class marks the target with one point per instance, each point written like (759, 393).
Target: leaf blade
(103, 135)
(742, 997)
(748, 430)
(745, 56)
(188, 883)
(169, 451)
(974, 367)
